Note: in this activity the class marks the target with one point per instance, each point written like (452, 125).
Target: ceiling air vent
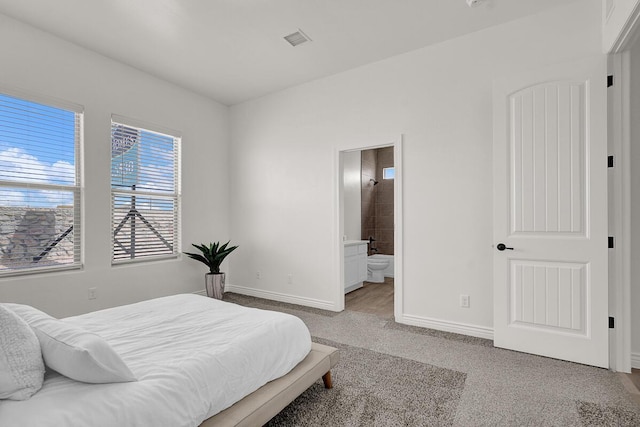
(297, 38)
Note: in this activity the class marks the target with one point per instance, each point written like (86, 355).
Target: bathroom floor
(373, 298)
(635, 378)
(632, 383)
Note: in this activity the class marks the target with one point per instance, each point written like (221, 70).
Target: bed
(196, 361)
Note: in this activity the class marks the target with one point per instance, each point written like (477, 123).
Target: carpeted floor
(593, 414)
(376, 389)
(487, 386)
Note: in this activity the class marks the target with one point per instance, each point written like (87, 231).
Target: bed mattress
(193, 357)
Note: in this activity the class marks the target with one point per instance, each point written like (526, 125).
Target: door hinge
(612, 323)
(610, 161)
(611, 245)
(610, 81)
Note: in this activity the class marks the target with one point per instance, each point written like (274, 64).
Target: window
(388, 173)
(40, 187)
(145, 191)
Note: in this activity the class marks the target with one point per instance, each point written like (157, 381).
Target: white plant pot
(214, 285)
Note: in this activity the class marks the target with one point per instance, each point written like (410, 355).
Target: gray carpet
(498, 387)
(593, 414)
(376, 389)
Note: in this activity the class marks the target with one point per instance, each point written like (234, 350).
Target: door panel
(550, 206)
(548, 178)
(548, 295)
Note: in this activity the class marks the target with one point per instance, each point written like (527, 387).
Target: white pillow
(73, 351)
(21, 366)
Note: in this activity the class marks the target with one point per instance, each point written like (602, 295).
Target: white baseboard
(276, 296)
(635, 360)
(440, 325)
(202, 292)
(447, 326)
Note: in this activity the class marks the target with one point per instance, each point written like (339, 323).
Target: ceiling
(233, 50)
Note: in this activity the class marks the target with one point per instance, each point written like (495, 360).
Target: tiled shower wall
(377, 201)
(369, 192)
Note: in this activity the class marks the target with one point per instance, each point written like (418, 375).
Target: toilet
(375, 269)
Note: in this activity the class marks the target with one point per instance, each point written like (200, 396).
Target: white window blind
(145, 191)
(40, 187)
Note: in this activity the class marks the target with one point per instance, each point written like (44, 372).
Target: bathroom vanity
(355, 264)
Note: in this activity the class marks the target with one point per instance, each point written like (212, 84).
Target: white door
(550, 212)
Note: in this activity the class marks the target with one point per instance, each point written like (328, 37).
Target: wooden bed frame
(263, 404)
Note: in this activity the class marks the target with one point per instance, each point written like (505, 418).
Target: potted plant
(212, 256)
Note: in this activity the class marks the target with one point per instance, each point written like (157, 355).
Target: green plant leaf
(212, 254)
(198, 257)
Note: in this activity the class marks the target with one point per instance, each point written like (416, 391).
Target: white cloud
(62, 172)
(12, 197)
(57, 197)
(18, 165)
(157, 178)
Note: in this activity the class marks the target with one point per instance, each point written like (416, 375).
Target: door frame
(620, 212)
(619, 105)
(370, 143)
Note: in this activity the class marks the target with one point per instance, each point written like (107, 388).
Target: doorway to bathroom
(370, 206)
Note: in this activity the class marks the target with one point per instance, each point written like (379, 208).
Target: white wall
(635, 205)
(42, 64)
(439, 98)
(352, 161)
(617, 17)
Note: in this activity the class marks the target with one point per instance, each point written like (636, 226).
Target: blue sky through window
(141, 158)
(388, 173)
(145, 159)
(37, 146)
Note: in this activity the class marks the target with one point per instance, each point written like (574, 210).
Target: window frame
(77, 189)
(176, 195)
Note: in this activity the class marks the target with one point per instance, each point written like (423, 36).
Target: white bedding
(193, 357)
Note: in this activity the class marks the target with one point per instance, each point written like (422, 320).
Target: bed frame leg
(327, 380)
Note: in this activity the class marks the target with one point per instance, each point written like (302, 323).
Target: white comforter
(193, 357)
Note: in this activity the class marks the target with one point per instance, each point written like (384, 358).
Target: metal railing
(53, 244)
(132, 216)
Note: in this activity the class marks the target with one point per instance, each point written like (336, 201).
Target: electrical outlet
(93, 293)
(464, 301)
(258, 275)
(290, 279)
